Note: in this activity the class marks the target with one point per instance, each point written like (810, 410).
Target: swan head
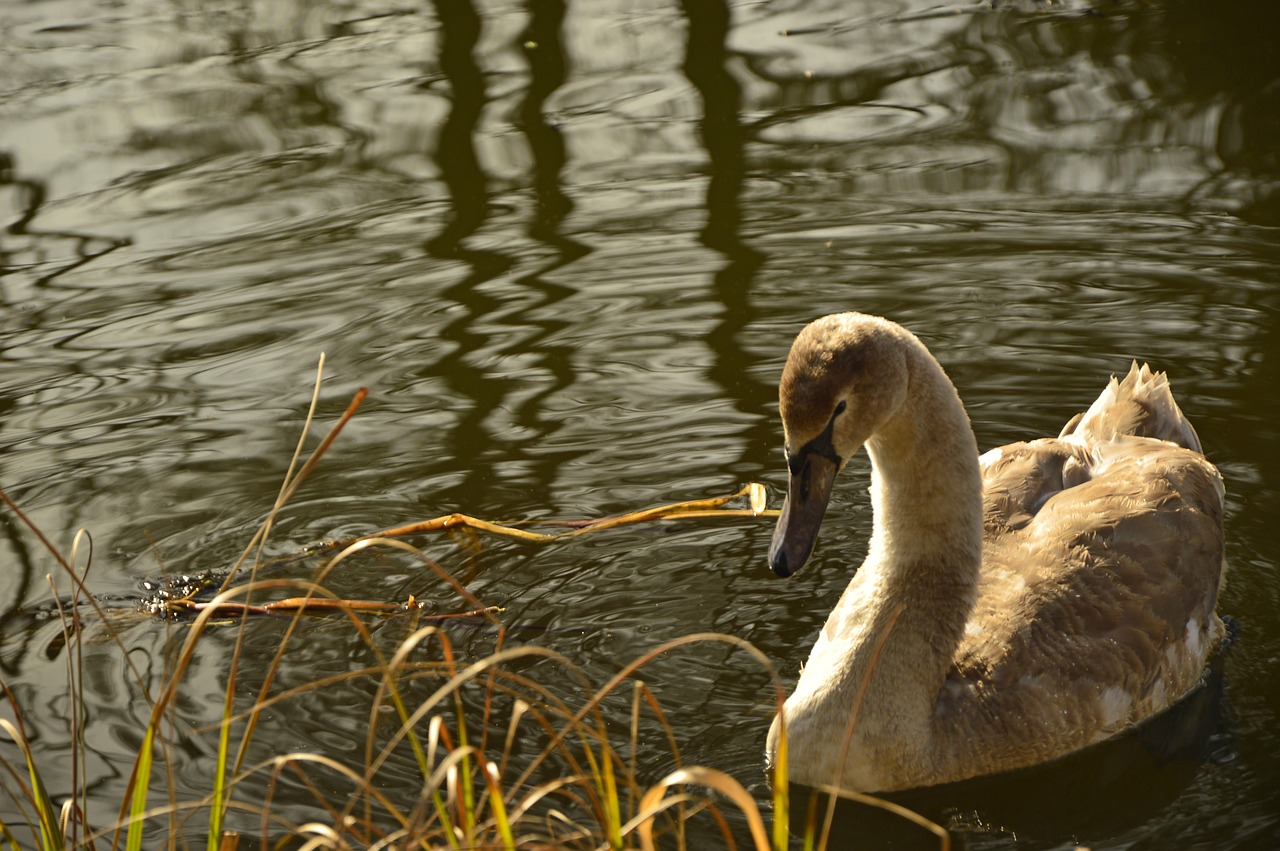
(846, 377)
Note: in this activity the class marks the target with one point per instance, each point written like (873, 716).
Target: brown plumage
(1011, 608)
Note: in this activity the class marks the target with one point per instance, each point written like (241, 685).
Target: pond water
(566, 247)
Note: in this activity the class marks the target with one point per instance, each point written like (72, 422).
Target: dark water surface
(566, 246)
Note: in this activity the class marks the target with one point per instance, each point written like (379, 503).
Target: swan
(1012, 607)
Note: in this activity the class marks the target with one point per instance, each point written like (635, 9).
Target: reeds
(472, 793)
(457, 723)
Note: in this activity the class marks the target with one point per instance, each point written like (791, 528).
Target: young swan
(1013, 607)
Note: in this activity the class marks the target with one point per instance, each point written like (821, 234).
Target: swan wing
(1095, 605)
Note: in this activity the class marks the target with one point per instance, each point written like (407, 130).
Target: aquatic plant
(459, 723)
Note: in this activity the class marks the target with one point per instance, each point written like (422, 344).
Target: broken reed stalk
(696, 508)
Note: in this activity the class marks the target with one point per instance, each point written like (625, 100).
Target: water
(567, 249)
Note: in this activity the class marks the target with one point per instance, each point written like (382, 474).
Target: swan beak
(808, 491)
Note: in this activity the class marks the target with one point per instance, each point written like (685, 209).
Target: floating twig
(696, 508)
(293, 605)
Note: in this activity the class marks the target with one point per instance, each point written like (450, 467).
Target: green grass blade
(501, 818)
(141, 784)
(466, 792)
(781, 793)
(612, 805)
(50, 828)
(218, 802)
(10, 841)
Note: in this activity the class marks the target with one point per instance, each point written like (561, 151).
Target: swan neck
(926, 484)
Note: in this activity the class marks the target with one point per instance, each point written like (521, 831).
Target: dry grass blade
(455, 682)
(80, 591)
(852, 724)
(629, 670)
(297, 760)
(35, 530)
(653, 801)
(292, 482)
(944, 837)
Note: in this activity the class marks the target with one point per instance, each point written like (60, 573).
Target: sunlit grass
(583, 787)
(472, 793)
